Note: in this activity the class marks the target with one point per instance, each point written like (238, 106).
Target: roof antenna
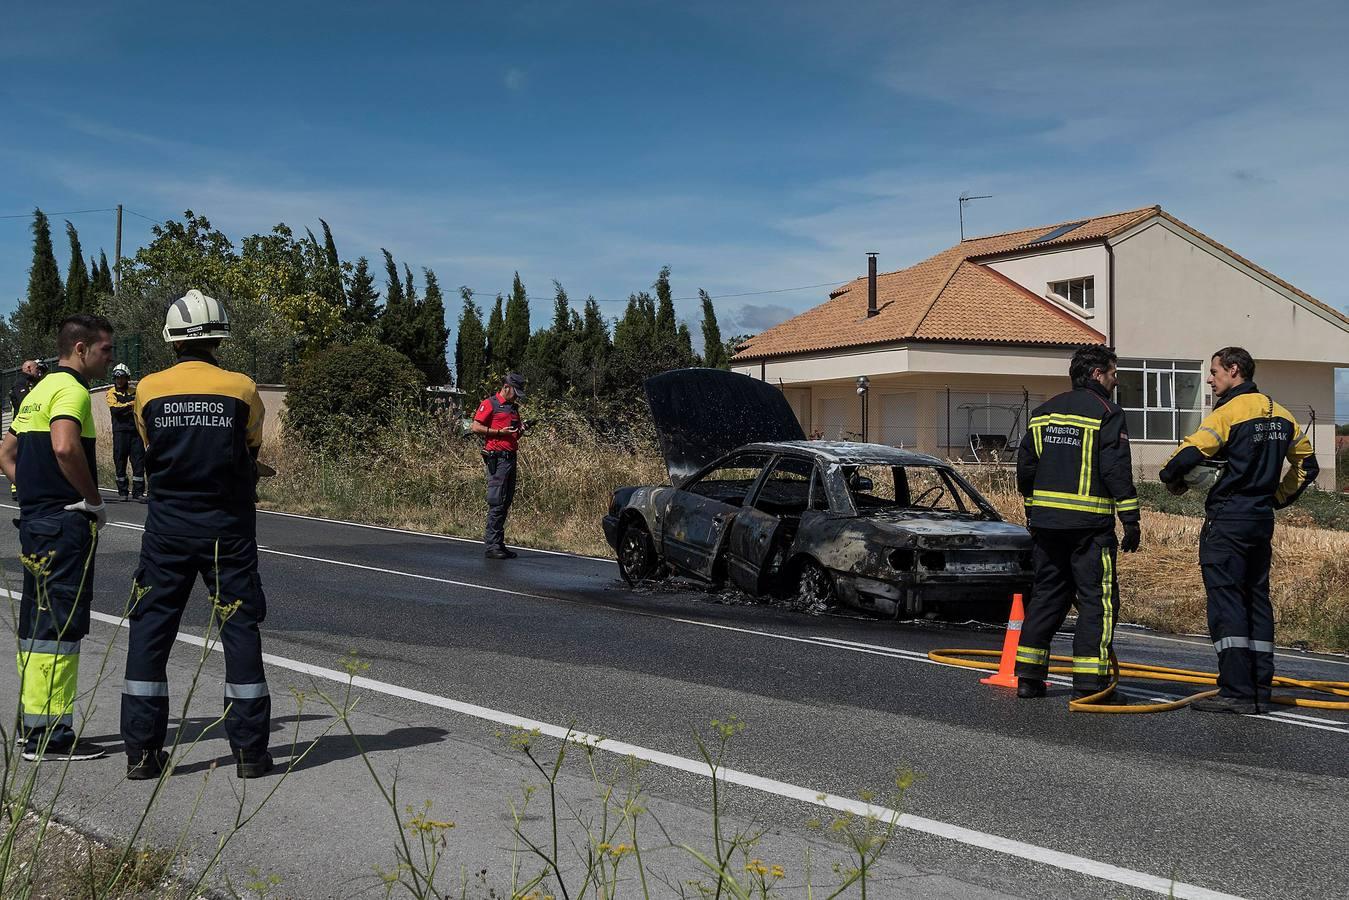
(966, 198)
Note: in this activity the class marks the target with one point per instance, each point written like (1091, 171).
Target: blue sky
(751, 146)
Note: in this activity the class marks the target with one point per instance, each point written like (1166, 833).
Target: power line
(73, 212)
(142, 216)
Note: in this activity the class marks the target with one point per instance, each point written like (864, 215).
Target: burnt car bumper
(610, 524)
(932, 595)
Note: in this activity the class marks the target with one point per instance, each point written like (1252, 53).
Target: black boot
(1220, 704)
(1030, 688)
(252, 763)
(150, 764)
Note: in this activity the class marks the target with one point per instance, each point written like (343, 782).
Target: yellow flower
(779, 872)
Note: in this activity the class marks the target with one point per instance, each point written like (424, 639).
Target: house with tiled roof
(948, 355)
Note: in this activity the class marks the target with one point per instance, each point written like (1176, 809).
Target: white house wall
(1037, 271)
(928, 359)
(1180, 298)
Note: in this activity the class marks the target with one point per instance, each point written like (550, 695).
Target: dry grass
(428, 479)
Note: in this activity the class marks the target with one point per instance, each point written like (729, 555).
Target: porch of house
(976, 418)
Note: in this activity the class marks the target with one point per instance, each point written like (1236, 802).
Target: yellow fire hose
(1118, 670)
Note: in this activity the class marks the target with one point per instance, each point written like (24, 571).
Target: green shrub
(341, 394)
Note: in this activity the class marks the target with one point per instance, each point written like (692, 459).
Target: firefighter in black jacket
(1250, 436)
(126, 439)
(1074, 470)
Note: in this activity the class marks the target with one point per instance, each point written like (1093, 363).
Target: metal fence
(959, 423)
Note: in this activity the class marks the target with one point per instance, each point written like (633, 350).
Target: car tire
(815, 591)
(637, 557)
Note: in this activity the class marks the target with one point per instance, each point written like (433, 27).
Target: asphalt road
(1252, 806)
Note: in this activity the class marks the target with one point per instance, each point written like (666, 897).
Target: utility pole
(966, 198)
(117, 254)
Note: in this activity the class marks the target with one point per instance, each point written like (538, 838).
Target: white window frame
(1156, 374)
(1067, 301)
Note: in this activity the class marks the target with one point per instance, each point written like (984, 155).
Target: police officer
(50, 447)
(30, 373)
(126, 438)
(1075, 473)
(498, 421)
(1253, 436)
(202, 428)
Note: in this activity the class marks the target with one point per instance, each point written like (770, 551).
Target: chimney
(871, 284)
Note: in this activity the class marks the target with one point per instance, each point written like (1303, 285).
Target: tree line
(577, 356)
(289, 294)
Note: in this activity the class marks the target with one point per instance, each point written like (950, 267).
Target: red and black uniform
(499, 456)
(1075, 472)
(127, 445)
(1253, 436)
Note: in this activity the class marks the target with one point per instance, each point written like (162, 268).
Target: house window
(1081, 292)
(1162, 399)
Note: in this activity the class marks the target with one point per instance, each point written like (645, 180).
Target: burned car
(827, 523)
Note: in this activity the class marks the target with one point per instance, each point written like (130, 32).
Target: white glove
(99, 511)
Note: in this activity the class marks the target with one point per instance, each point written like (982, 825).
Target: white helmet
(196, 317)
(1205, 475)
(120, 370)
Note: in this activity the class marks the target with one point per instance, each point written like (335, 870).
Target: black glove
(1133, 536)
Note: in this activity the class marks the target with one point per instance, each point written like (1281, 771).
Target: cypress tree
(104, 282)
(666, 325)
(79, 289)
(496, 328)
(714, 350)
(431, 335)
(684, 346)
(45, 304)
(597, 347)
(394, 322)
(515, 333)
(470, 347)
(362, 309)
(562, 314)
(393, 290)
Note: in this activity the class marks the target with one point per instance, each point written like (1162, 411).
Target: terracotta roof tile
(980, 304)
(913, 303)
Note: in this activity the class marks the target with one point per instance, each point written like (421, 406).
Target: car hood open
(702, 414)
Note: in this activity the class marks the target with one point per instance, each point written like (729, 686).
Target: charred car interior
(751, 502)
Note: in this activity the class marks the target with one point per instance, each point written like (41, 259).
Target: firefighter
(1250, 436)
(498, 422)
(126, 439)
(51, 445)
(202, 427)
(1075, 473)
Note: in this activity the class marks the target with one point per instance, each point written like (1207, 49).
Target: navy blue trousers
(169, 567)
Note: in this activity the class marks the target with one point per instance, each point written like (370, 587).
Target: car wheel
(815, 588)
(637, 557)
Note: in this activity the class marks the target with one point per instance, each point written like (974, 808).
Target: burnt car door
(764, 530)
(701, 511)
(703, 414)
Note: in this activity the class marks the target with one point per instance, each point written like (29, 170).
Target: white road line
(1303, 721)
(1203, 642)
(409, 531)
(1031, 852)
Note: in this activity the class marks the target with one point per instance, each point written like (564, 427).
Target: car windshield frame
(969, 500)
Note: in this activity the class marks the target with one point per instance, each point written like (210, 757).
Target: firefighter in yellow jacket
(50, 447)
(1075, 471)
(202, 427)
(127, 446)
(1247, 437)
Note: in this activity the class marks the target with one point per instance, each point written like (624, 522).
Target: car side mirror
(862, 484)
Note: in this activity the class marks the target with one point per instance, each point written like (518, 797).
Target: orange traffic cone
(1006, 675)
